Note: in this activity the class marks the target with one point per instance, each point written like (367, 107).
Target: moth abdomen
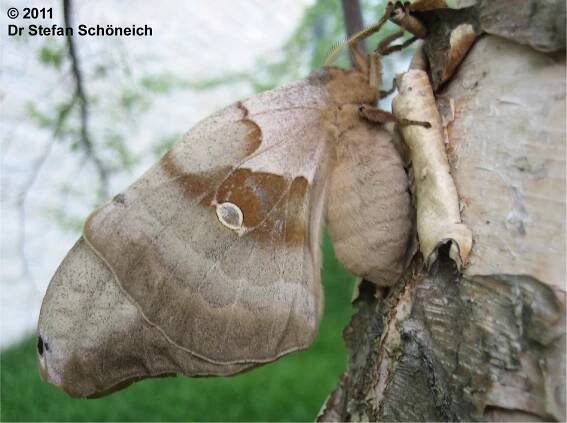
(368, 205)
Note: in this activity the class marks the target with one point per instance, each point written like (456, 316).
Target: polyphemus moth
(209, 263)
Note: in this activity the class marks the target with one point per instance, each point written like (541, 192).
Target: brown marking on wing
(243, 109)
(273, 207)
(296, 227)
(198, 184)
(254, 137)
(255, 193)
(194, 185)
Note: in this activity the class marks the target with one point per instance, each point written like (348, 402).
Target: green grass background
(291, 389)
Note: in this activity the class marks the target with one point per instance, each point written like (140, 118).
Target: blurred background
(79, 125)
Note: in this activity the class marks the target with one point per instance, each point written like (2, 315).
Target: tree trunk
(485, 341)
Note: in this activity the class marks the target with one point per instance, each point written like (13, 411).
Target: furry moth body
(368, 206)
(209, 263)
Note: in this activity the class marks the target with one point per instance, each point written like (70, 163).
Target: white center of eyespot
(230, 215)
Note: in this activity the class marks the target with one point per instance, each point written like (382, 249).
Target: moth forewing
(183, 286)
(226, 296)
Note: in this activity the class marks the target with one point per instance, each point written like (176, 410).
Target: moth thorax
(348, 117)
(230, 215)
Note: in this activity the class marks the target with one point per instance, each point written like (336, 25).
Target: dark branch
(78, 97)
(81, 96)
(353, 19)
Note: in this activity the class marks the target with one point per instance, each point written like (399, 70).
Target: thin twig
(21, 207)
(79, 97)
(85, 138)
(22, 195)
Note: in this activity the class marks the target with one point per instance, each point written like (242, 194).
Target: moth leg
(374, 60)
(374, 70)
(407, 122)
(359, 59)
(398, 47)
(401, 16)
(369, 65)
(376, 115)
(385, 43)
(386, 93)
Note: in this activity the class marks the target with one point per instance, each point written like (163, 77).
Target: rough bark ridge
(488, 342)
(468, 349)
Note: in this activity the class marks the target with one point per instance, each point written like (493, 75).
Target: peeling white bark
(438, 217)
(507, 153)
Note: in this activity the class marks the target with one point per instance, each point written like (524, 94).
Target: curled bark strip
(438, 216)
(450, 34)
(461, 40)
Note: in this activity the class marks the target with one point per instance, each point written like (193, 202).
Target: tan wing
(95, 341)
(214, 245)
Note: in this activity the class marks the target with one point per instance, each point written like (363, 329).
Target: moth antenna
(360, 35)
(336, 47)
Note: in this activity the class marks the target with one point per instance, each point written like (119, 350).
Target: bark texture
(486, 342)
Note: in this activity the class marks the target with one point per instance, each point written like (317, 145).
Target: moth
(209, 263)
